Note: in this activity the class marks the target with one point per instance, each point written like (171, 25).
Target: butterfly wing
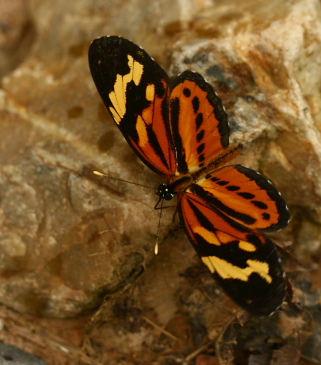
(198, 122)
(245, 196)
(135, 90)
(244, 262)
(183, 130)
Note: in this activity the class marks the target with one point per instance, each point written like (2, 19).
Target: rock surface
(69, 238)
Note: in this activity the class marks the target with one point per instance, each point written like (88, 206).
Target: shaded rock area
(79, 283)
(11, 355)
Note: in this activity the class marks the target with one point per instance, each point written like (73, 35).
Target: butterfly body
(180, 130)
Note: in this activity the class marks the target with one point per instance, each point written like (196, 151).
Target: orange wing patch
(245, 196)
(200, 128)
(198, 217)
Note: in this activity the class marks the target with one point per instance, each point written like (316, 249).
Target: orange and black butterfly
(180, 130)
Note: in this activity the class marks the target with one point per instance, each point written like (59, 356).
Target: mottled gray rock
(12, 355)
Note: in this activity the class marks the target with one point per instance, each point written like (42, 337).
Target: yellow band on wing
(226, 270)
(247, 246)
(150, 92)
(118, 96)
(208, 236)
(142, 132)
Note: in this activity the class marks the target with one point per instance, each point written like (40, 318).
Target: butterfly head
(165, 192)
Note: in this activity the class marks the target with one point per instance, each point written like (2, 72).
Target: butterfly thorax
(226, 156)
(180, 183)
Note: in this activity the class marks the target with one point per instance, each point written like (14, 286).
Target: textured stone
(67, 237)
(11, 355)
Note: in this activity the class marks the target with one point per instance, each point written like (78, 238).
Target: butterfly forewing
(245, 196)
(198, 121)
(135, 90)
(244, 262)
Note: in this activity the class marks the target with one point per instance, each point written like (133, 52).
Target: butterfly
(179, 129)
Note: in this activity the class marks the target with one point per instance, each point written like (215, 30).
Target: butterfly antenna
(158, 227)
(97, 173)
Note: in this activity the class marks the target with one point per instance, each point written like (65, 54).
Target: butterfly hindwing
(244, 262)
(245, 196)
(135, 90)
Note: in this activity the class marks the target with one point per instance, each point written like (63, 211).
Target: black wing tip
(263, 301)
(256, 296)
(116, 47)
(264, 309)
(100, 44)
(111, 39)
